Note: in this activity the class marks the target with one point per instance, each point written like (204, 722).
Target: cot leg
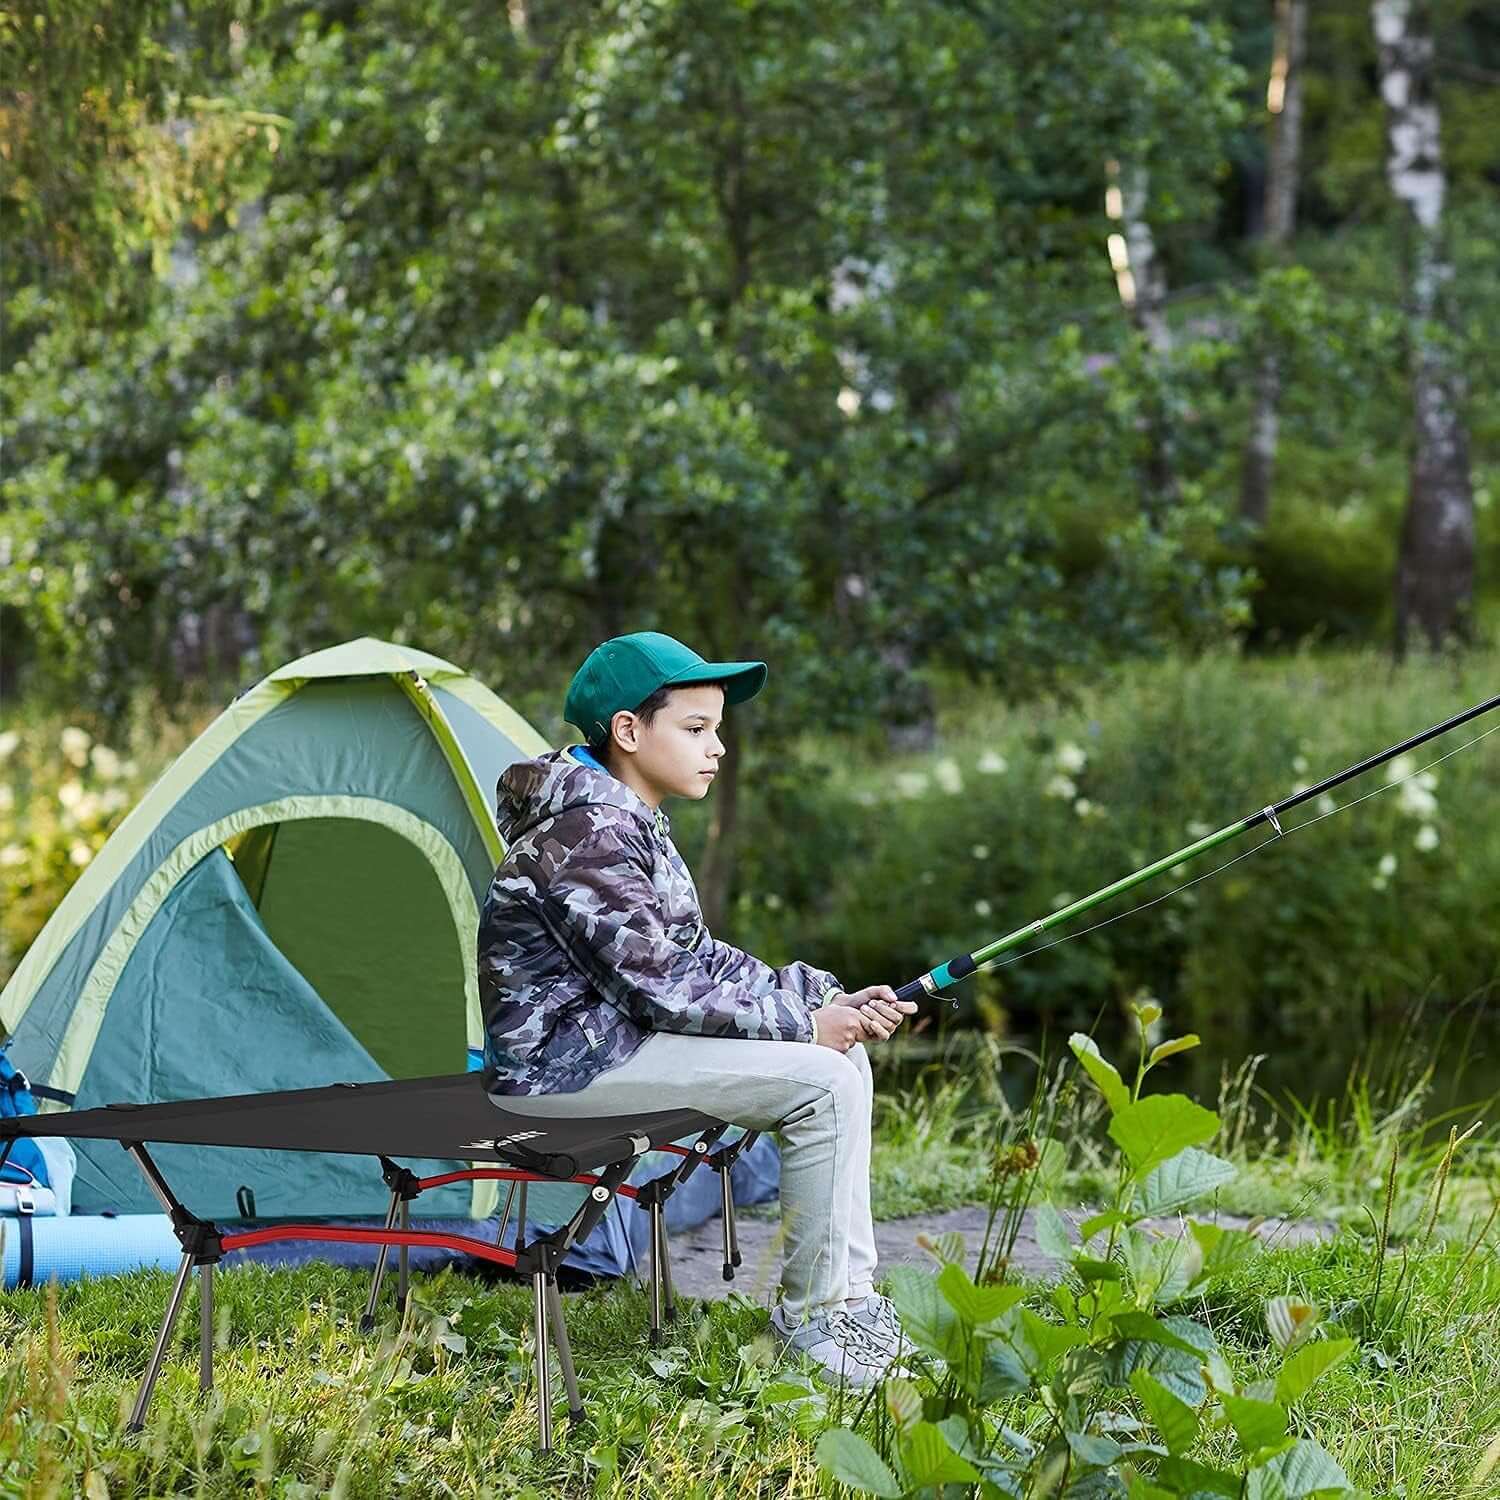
(669, 1292)
(656, 1277)
(206, 1326)
(510, 1195)
(564, 1351)
(543, 1375)
(734, 1226)
(163, 1338)
(726, 1213)
(403, 1261)
(367, 1321)
(521, 1222)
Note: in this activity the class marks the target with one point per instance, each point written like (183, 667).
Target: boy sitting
(604, 994)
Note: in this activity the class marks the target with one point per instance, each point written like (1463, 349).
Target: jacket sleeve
(814, 987)
(603, 909)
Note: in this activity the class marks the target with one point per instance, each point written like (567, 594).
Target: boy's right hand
(838, 1026)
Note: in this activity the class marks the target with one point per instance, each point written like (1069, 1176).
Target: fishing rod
(935, 981)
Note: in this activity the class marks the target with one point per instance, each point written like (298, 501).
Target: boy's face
(677, 753)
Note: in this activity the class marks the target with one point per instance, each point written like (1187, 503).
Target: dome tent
(294, 902)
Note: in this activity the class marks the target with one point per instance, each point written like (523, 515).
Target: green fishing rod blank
(935, 981)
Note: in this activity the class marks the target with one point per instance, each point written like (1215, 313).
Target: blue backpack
(32, 1164)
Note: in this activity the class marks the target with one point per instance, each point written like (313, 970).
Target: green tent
(293, 903)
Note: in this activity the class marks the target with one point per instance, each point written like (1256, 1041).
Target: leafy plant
(1123, 1393)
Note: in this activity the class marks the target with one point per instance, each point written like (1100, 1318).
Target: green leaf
(1093, 1450)
(1306, 1469)
(904, 1402)
(1289, 1320)
(929, 1460)
(946, 1248)
(1223, 1249)
(1155, 1129)
(1096, 1270)
(1264, 1484)
(1001, 1374)
(1100, 1222)
(928, 1320)
(1189, 1478)
(1052, 1235)
(852, 1461)
(1183, 1177)
(1106, 1078)
(1172, 1417)
(1171, 1048)
(1149, 1330)
(1257, 1424)
(976, 1305)
(1304, 1368)
(1039, 1342)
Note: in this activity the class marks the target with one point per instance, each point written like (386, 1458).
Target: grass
(441, 1404)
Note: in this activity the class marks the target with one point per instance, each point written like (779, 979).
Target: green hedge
(882, 869)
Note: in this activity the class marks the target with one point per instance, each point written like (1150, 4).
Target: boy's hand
(881, 1011)
(838, 1025)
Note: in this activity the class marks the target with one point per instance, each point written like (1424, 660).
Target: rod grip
(912, 991)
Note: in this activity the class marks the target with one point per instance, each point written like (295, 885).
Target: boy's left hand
(880, 1010)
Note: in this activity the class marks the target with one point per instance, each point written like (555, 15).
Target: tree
(1435, 570)
(1284, 102)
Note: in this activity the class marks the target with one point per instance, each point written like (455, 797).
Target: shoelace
(854, 1338)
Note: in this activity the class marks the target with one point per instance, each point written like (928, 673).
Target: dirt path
(697, 1257)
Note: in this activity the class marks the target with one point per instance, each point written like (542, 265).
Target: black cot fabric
(449, 1117)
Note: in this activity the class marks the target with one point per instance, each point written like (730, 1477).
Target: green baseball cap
(626, 670)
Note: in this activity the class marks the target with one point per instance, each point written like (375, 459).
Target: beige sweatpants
(818, 1102)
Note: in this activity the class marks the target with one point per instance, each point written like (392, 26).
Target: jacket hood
(531, 790)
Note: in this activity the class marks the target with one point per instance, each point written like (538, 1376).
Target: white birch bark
(1435, 568)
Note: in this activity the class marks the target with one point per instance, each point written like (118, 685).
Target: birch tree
(1435, 564)
(1284, 104)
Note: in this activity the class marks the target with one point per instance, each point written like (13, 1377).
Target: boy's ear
(623, 730)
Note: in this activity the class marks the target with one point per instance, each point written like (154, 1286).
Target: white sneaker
(877, 1315)
(843, 1348)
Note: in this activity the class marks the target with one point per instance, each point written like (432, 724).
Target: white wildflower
(1061, 786)
(11, 856)
(1387, 865)
(948, 776)
(1199, 830)
(982, 908)
(80, 854)
(911, 783)
(8, 742)
(992, 763)
(106, 762)
(1416, 800)
(980, 851)
(1072, 758)
(1427, 839)
(87, 809)
(70, 794)
(1083, 807)
(75, 744)
(1399, 769)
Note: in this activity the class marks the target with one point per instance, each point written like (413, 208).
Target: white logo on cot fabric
(503, 1141)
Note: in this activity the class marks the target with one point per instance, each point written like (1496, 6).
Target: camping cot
(444, 1117)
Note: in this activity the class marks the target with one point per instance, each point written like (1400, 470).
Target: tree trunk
(1143, 291)
(1435, 568)
(1284, 100)
(716, 872)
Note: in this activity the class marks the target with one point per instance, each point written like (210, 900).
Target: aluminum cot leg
(206, 1326)
(403, 1261)
(726, 1215)
(163, 1338)
(656, 1288)
(543, 1375)
(669, 1293)
(564, 1351)
(367, 1321)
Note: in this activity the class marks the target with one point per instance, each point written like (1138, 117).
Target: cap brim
(742, 679)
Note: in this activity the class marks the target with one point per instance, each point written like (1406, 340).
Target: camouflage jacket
(591, 937)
